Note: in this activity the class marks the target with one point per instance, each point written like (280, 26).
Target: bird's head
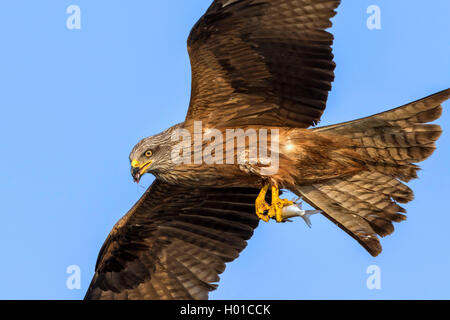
(151, 155)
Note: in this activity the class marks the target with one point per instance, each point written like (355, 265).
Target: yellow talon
(278, 205)
(265, 211)
(262, 207)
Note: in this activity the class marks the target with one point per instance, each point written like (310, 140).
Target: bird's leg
(262, 207)
(276, 208)
(264, 211)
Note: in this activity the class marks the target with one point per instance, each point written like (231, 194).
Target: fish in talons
(296, 210)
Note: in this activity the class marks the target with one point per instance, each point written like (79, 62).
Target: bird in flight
(259, 66)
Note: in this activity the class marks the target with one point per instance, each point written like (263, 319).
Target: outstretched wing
(174, 243)
(265, 62)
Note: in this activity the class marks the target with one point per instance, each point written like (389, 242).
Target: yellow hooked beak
(137, 170)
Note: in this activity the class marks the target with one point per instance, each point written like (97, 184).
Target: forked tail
(365, 204)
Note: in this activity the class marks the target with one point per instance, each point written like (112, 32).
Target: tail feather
(422, 111)
(390, 143)
(379, 183)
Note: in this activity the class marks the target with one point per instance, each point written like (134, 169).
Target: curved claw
(262, 207)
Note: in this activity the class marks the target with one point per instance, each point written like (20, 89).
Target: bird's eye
(148, 153)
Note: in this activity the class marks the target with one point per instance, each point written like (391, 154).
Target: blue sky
(74, 102)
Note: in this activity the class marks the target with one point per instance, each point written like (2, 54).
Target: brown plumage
(390, 143)
(174, 243)
(267, 63)
(260, 64)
